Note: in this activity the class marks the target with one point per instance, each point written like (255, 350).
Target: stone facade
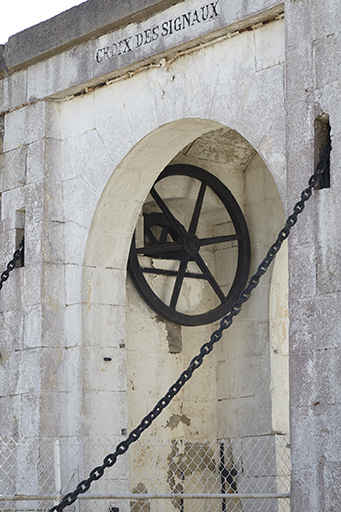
(94, 104)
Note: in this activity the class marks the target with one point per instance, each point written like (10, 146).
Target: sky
(16, 15)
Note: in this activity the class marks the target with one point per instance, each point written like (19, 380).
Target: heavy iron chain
(207, 348)
(19, 254)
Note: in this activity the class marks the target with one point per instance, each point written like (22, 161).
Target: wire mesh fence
(249, 474)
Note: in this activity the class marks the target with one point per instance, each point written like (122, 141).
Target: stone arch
(104, 271)
(104, 301)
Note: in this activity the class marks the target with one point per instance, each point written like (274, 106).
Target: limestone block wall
(87, 152)
(31, 187)
(80, 167)
(147, 161)
(82, 139)
(313, 89)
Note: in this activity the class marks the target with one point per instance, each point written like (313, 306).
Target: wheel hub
(191, 244)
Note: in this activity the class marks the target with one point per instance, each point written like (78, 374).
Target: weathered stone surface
(33, 243)
(254, 345)
(35, 161)
(58, 411)
(91, 19)
(327, 100)
(73, 335)
(13, 169)
(2, 61)
(303, 275)
(109, 324)
(13, 90)
(70, 122)
(259, 100)
(29, 372)
(30, 404)
(75, 241)
(79, 206)
(12, 301)
(300, 480)
(53, 326)
(103, 286)
(272, 149)
(319, 378)
(32, 323)
(12, 328)
(61, 369)
(65, 71)
(82, 168)
(11, 407)
(331, 473)
(239, 412)
(328, 269)
(236, 378)
(310, 323)
(326, 60)
(105, 375)
(269, 47)
(24, 126)
(312, 44)
(90, 153)
(87, 20)
(114, 402)
(12, 201)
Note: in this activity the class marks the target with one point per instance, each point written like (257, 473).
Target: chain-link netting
(191, 476)
(26, 468)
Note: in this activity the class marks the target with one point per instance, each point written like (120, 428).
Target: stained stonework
(94, 104)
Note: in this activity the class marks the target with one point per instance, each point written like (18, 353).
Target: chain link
(197, 361)
(19, 254)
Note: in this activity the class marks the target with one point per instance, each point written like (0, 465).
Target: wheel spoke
(173, 273)
(179, 280)
(210, 278)
(150, 250)
(219, 239)
(151, 236)
(164, 234)
(197, 209)
(173, 221)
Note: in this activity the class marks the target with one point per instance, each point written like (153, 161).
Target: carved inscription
(135, 41)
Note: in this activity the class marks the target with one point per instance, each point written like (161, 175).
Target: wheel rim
(175, 250)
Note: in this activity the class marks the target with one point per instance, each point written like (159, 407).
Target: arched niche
(104, 273)
(236, 391)
(131, 355)
(232, 394)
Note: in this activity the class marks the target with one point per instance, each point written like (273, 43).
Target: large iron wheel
(167, 239)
